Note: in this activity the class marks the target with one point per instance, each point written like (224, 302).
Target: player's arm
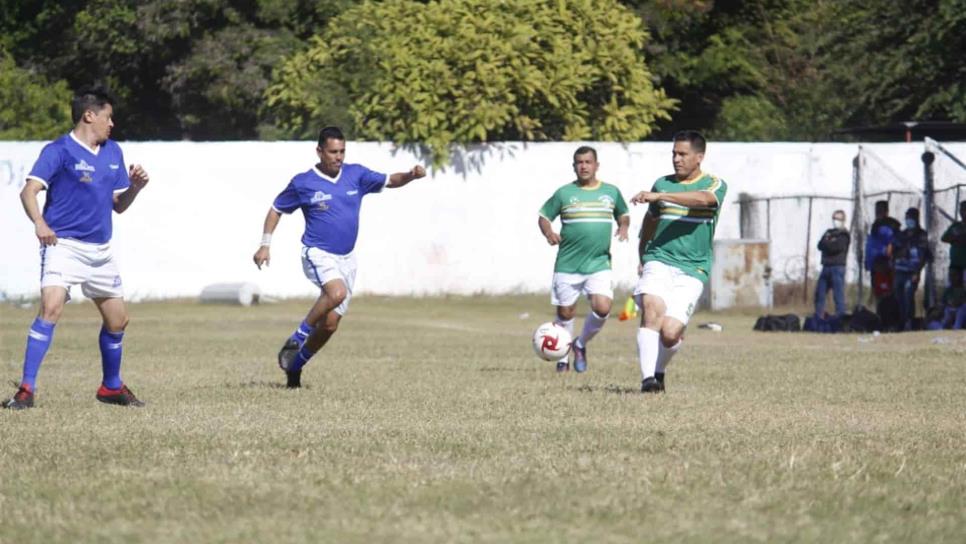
(28, 197)
(139, 178)
(690, 199)
(623, 225)
(402, 178)
(263, 255)
(547, 230)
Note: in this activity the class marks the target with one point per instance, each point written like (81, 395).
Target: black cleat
(21, 400)
(287, 354)
(120, 397)
(563, 366)
(660, 378)
(651, 385)
(294, 379)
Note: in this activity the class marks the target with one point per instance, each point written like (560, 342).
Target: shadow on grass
(261, 384)
(609, 388)
(508, 369)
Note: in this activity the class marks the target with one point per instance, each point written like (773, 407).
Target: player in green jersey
(587, 208)
(675, 249)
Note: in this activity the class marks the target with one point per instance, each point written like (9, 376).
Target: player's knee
(566, 313)
(671, 335)
(336, 295)
(51, 312)
(602, 310)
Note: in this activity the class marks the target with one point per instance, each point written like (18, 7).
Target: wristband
(266, 239)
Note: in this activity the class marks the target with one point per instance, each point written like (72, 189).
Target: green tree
(461, 71)
(31, 107)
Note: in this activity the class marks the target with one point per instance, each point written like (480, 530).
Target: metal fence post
(929, 294)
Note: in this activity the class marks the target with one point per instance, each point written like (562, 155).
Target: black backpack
(784, 323)
(888, 310)
(865, 320)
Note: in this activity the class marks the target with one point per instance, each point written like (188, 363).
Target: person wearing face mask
(834, 246)
(877, 248)
(910, 253)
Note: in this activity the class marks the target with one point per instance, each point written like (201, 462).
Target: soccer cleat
(580, 357)
(120, 397)
(563, 366)
(651, 385)
(294, 379)
(21, 400)
(660, 378)
(287, 354)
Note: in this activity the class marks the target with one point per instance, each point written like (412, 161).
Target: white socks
(648, 346)
(592, 325)
(664, 355)
(569, 325)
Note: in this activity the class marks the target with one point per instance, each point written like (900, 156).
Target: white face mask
(911, 223)
(838, 223)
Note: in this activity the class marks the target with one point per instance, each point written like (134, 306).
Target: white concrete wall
(467, 229)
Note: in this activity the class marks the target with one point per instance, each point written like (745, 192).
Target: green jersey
(957, 252)
(684, 236)
(587, 216)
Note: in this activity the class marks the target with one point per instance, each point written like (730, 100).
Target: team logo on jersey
(117, 281)
(115, 166)
(86, 170)
(319, 199)
(350, 193)
(574, 200)
(607, 200)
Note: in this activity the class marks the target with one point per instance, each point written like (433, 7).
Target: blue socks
(301, 359)
(302, 332)
(38, 341)
(110, 343)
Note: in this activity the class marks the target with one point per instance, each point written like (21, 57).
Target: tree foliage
(32, 107)
(459, 71)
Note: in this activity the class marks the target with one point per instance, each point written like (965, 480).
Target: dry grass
(431, 420)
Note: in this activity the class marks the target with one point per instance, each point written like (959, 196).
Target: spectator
(910, 253)
(834, 246)
(955, 236)
(878, 248)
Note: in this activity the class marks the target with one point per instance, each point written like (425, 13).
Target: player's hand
(621, 233)
(644, 197)
(262, 256)
(553, 238)
(417, 172)
(139, 178)
(44, 233)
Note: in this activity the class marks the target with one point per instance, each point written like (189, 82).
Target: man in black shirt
(834, 246)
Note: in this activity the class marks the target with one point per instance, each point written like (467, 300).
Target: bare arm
(28, 197)
(547, 230)
(648, 228)
(402, 178)
(691, 199)
(623, 225)
(139, 178)
(263, 255)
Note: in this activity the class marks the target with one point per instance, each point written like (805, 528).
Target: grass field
(430, 420)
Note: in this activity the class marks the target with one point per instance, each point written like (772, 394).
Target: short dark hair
(330, 133)
(693, 137)
(913, 212)
(583, 150)
(89, 98)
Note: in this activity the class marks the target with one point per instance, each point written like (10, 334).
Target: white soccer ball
(551, 342)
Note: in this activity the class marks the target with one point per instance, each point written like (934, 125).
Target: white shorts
(321, 267)
(567, 288)
(71, 262)
(679, 291)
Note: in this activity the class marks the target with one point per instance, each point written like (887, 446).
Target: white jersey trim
(41, 180)
(600, 220)
(322, 175)
(670, 217)
(85, 146)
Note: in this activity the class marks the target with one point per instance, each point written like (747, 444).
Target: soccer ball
(551, 342)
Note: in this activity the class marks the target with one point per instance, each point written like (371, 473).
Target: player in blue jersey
(330, 196)
(86, 179)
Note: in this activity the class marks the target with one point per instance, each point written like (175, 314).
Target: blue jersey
(330, 205)
(80, 187)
